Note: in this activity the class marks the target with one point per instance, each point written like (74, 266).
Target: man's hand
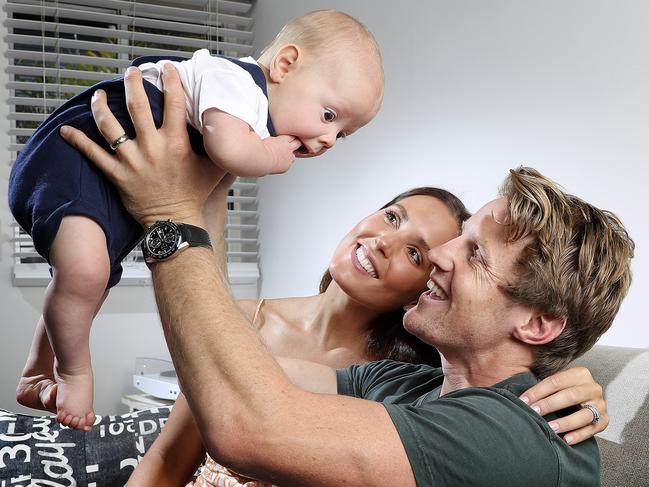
(158, 175)
(281, 150)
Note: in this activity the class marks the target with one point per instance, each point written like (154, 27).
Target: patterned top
(215, 475)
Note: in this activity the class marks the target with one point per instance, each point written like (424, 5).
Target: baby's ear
(284, 62)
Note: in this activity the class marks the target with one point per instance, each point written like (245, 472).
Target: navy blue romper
(50, 179)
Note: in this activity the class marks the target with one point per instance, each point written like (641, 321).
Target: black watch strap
(195, 236)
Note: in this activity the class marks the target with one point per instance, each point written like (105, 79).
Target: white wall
(127, 327)
(473, 88)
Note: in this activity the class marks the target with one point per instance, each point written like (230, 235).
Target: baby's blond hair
(326, 33)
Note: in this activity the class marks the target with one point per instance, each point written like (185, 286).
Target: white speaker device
(156, 377)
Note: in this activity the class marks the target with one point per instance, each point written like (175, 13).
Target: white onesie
(215, 82)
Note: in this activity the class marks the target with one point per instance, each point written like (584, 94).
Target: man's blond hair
(577, 265)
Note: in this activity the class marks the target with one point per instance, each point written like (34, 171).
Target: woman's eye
(391, 217)
(329, 115)
(415, 255)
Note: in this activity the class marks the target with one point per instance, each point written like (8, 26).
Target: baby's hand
(281, 152)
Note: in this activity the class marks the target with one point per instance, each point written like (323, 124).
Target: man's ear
(540, 329)
(284, 62)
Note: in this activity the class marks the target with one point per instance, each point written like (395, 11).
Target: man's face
(465, 310)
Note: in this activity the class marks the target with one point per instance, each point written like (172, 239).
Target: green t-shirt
(482, 436)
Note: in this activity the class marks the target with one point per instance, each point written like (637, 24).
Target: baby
(320, 79)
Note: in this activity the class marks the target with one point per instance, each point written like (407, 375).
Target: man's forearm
(224, 369)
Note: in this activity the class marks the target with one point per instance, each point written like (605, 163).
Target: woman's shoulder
(285, 310)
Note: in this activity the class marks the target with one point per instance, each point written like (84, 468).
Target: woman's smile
(364, 261)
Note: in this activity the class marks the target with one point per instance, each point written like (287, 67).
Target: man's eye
(329, 115)
(475, 254)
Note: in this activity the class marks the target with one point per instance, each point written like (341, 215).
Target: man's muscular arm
(250, 415)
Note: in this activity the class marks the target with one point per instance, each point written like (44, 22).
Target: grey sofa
(624, 445)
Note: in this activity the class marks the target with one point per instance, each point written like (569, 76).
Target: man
(534, 279)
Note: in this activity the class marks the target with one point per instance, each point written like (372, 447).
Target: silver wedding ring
(119, 141)
(597, 416)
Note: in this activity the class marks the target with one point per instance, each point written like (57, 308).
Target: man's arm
(250, 415)
(310, 376)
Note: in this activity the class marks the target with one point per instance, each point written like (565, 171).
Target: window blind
(56, 49)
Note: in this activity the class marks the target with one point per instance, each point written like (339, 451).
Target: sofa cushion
(624, 445)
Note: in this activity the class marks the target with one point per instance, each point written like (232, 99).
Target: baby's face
(321, 103)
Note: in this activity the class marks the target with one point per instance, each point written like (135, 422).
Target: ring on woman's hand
(119, 141)
(597, 416)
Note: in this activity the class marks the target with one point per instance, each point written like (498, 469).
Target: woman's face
(382, 262)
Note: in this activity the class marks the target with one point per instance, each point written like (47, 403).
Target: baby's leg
(81, 269)
(37, 387)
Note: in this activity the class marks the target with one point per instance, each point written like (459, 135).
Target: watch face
(162, 240)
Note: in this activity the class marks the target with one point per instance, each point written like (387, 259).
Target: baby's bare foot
(74, 400)
(38, 392)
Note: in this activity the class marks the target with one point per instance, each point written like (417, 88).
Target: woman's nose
(382, 244)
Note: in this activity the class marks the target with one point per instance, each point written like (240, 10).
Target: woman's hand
(158, 175)
(572, 387)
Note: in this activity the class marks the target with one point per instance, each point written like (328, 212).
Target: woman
(377, 270)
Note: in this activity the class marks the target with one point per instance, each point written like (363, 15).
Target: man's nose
(442, 256)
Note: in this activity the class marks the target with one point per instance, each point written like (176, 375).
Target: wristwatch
(164, 239)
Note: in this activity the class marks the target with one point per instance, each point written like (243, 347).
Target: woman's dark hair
(388, 339)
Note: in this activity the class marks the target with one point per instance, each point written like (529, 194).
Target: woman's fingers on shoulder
(569, 388)
(563, 398)
(557, 382)
(579, 426)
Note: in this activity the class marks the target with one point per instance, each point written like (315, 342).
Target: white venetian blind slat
(32, 71)
(129, 35)
(39, 41)
(56, 49)
(142, 12)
